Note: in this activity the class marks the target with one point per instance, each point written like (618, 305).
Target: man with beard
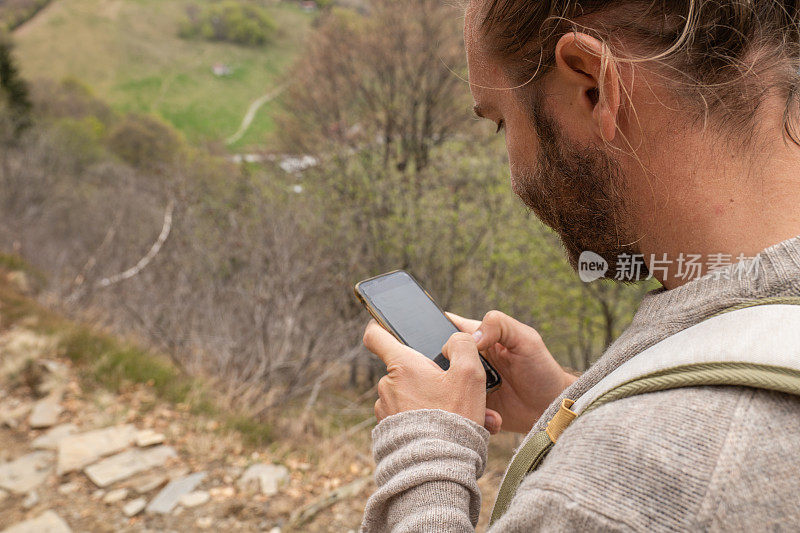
(651, 130)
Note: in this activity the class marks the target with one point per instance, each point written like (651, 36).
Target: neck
(723, 205)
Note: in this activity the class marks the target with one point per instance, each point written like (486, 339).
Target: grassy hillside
(129, 52)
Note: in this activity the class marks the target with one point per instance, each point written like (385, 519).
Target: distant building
(296, 165)
(221, 69)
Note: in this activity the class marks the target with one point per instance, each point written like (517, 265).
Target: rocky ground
(75, 456)
(80, 460)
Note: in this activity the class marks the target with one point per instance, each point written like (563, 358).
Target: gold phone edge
(366, 303)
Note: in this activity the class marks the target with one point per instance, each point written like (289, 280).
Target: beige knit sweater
(703, 458)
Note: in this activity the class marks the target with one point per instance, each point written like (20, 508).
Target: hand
(415, 382)
(532, 379)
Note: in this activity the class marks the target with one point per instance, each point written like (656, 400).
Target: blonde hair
(723, 55)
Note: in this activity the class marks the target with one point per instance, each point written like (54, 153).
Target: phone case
(385, 325)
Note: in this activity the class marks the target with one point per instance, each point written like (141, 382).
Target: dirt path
(251, 113)
(52, 7)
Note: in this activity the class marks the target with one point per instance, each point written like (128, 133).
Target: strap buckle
(562, 419)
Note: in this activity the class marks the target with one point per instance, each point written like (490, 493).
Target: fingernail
(477, 334)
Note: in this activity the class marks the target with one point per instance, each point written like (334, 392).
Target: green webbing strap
(527, 459)
(772, 300)
(768, 377)
(729, 373)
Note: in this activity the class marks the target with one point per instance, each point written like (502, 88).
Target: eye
(500, 125)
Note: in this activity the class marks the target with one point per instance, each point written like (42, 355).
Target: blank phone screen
(412, 314)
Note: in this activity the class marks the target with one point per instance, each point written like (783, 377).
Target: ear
(586, 69)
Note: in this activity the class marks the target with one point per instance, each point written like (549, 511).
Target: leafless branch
(144, 261)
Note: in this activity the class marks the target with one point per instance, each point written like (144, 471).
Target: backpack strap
(750, 345)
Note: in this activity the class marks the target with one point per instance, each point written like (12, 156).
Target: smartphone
(400, 304)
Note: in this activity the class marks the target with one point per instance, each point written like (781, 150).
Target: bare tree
(387, 78)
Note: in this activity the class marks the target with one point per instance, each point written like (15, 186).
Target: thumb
(464, 324)
(493, 421)
(462, 352)
(512, 334)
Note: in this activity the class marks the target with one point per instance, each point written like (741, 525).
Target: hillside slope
(142, 432)
(89, 441)
(130, 54)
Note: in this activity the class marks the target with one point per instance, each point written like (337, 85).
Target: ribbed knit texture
(702, 458)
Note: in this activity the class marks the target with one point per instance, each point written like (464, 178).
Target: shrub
(81, 138)
(229, 21)
(144, 141)
(13, 89)
(68, 98)
(114, 363)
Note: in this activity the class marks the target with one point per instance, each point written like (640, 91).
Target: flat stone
(50, 440)
(167, 499)
(125, 464)
(19, 345)
(19, 279)
(204, 522)
(148, 437)
(69, 488)
(31, 499)
(45, 412)
(148, 482)
(26, 473)
(56, 378)
(77, 451)
(114, 496)
(10, 416)
(268, 476)
(193, 499)
(99, 493)
(222, 492)
(47, 522)
(134, 507)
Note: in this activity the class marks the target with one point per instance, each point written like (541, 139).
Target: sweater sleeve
(427, 466)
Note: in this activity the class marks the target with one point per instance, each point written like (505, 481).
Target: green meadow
(130, 54)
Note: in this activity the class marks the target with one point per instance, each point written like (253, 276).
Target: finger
(383, 385)
(467, 325)
(493, 421)
(498, 327)
(383, 344)
(379, 413)
(462, 352)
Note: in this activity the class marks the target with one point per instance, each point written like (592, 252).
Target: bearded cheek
(521, 176)
(516, 186)
(523, 153)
